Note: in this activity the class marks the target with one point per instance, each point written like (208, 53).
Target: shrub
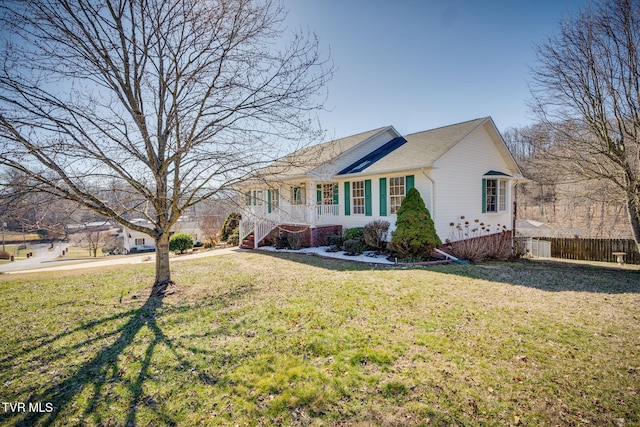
(335, 241)
(180, 242)
(294, 240)
(281, 241)
(234, 238)
(5, 255)
(231, 223)
(415, 234)
(375, 234)
(354, 247)
(355, 233)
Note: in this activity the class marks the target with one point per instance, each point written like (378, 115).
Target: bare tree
(587, 90)
(168, 102)
(93, 239)
(210, 222)
(24, 208)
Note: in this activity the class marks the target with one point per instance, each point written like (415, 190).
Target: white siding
(421, 183)
(130, 237)
(458, 177)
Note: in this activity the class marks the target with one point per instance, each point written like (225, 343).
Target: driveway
(42, 264)
(41, 254)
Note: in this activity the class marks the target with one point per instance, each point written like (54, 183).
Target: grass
(256, 339)
(16, 252)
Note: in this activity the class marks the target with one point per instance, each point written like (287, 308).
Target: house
(136, 241)
(531, 228)
(462, 169)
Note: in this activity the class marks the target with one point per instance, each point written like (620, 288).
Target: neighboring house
(531, 228)
(462, 169)
(136, 241)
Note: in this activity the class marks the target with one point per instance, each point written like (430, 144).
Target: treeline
(558, 195)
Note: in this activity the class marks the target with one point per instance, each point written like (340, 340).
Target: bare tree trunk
(633, 206)
(174, 102)
(163, 272)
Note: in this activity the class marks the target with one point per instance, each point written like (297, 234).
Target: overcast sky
(421, 64)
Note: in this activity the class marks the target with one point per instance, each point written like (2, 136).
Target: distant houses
(136, 241)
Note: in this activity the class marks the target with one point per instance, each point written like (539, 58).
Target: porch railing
(327, 210)
(257, 219)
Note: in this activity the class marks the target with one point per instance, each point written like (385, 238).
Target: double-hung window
(357, 195)
(396, 193)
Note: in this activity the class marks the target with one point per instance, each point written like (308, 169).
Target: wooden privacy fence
(594, 249)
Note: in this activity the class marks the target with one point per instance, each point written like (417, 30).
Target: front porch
(315, 223)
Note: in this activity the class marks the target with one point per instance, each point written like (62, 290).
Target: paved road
(41, 254)
(37, 266)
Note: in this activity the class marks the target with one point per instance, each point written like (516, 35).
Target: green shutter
(367, 197)
(269, 201)
(347, 198)
(319, 194)
(335, 194)
(484, 196)
(383, 196)
(408, 183)
(248, 198)
(255, 198)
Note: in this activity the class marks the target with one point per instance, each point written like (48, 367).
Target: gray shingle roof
(424, 148)
(305, 160)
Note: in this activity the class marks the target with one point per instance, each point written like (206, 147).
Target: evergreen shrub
(415, 234)
(355, 233)
(231, 224)
(354, 247)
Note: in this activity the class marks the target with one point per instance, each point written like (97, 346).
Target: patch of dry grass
(257, 339)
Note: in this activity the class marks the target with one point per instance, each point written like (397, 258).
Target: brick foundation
(310, 237)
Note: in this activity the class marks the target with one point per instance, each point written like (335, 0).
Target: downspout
(433, 193)
(515, 209)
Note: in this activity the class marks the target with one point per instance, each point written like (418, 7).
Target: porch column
(313, 208)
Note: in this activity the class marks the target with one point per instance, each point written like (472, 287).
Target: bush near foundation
(354, 247)
(375, 235)
(355, 233)
(415, 234)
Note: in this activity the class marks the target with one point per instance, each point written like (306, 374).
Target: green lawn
(257, 339)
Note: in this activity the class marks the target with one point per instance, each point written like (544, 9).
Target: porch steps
(248, 242)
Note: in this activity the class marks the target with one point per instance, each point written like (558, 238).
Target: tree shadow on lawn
(546, 275)
(103, 367)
